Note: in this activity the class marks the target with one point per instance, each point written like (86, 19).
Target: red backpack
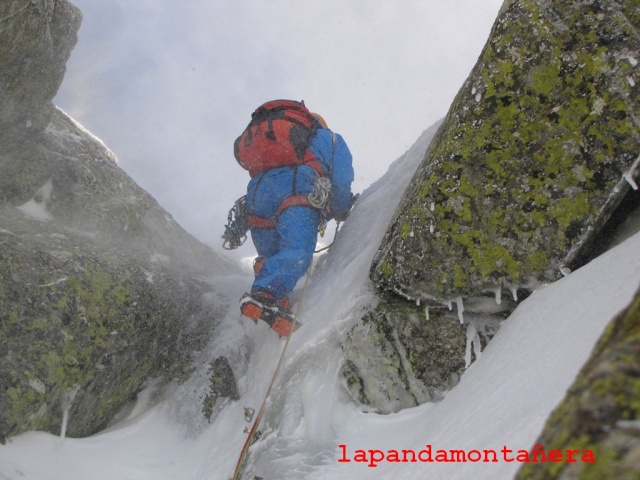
(277, 136)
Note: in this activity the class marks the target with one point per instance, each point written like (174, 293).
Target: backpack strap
(317, 166)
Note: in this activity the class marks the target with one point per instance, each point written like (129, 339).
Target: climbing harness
(235, 232)
(254, 433)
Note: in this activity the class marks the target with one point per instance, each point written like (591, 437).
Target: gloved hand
(342, 216)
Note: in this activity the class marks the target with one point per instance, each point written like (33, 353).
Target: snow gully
(372, 457)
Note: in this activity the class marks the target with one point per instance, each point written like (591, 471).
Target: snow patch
(36, 207)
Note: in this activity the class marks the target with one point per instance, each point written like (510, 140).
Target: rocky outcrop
(600, 413)
(100, 289)
(395, 359)
(538, 150)
(36, 39)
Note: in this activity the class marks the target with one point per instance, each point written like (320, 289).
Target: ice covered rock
(396, 359)
(531, 170)
(515, 187)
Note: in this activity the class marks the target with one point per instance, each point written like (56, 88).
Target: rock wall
(536, 152)
(100, 289)
(36, 39)
(601, 411)
(539, 148)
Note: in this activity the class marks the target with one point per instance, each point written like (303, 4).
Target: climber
(288, 197)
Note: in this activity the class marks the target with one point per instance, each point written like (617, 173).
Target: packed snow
(312, 428)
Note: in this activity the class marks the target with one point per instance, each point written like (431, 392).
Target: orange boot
(263, 306)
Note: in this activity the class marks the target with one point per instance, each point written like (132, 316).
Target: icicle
(449, 304)
(473, 342)
(418, 302)
(460, 309)
(514, 292)
(629, 175)
(67, 401)
(431, 228)
(426, 312)
(433, 206)
(631, 181)
(477, 346)
(498, 292)
(471, 334)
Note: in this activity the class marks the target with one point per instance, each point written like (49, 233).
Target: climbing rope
(253, 432)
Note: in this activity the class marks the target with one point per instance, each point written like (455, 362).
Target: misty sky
(169, 85)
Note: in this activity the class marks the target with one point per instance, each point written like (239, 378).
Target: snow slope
(502, 400)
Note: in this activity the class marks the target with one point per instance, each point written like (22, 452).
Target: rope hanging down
(254, 428)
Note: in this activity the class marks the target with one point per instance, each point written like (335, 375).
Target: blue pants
(288, 248)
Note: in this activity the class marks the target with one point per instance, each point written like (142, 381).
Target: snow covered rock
(601, 411)
(538, 149)
(537, 160)
(100, 289)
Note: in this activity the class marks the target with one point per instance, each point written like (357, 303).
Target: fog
(168, 86)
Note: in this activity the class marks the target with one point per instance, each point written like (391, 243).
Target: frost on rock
(538, 151)
(395, 359)
(525, 169)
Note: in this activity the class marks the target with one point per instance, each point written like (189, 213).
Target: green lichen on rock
(601, 411)
(73, 316)
(99, 288)
(529, 163)
(222, 384)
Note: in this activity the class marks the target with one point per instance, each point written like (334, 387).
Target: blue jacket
(267, 190)
(335, 158)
